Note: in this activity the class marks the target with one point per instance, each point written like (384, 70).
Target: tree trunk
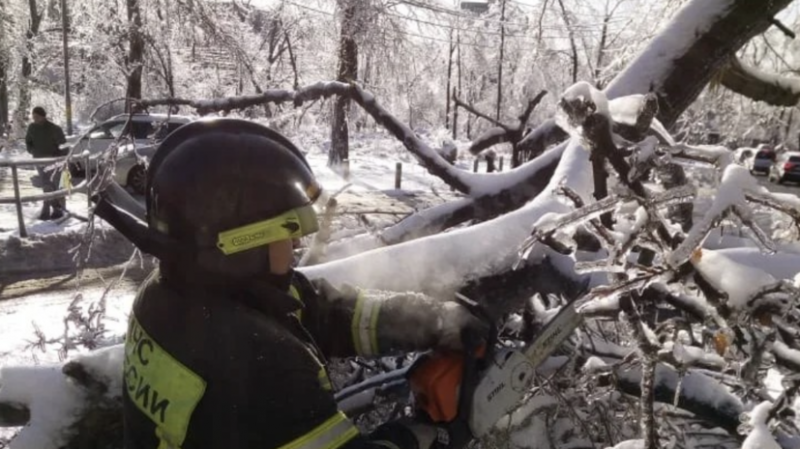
(5, 63)
(572, 43)
(598, 68)
(24, 99)
(500, 61)
(65, 42)
(449, 77)
(679, 84)
(457, 89)
(3, 86)
(348, 71)
(135, 59)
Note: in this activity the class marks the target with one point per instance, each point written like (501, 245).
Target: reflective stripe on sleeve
(331, 434)
(365, 324)
(294, 293)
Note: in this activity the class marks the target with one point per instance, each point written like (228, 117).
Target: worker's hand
(457, 322)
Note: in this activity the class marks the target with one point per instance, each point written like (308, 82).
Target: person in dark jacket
(42, 141)
(227, 345)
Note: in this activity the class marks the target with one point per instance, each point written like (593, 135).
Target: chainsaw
(464, 394)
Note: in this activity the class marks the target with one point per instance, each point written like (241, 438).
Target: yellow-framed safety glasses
(293, 224)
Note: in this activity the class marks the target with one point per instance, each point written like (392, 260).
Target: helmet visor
(293, 224)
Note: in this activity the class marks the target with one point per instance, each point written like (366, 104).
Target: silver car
(147, 131)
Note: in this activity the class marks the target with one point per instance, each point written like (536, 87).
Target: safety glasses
(293, 224)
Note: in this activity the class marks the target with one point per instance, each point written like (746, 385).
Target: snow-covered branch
(757, 85)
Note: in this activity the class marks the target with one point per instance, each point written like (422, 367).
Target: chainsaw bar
(554, 333)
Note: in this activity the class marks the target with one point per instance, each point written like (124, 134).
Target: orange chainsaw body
(436, 384)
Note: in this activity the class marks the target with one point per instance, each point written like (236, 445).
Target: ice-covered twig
(718, 156)
(785, 203)
(638, 283)
(648, 351)
(548, 225)
(736, 182)
(597, 228)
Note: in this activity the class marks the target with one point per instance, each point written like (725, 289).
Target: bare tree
(347, 71)
(5, 62)
(134, 63)
(24, 98)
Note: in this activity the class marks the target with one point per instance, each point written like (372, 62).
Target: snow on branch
(677, 64)
(730, 199)
(758, 85)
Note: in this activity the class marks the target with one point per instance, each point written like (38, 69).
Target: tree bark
(348, 71)
(451, 50)
(65, 42)
(679, 85)
(24, 99)
(3, 86)
(572, 43)
(135, 60)
(500, 62)
(5, 64)
(771, 89)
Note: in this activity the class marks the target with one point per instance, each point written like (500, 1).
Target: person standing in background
(43, 140)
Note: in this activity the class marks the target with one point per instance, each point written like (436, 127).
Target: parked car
(131, 166)
(761, 161)
(147, 129)
(786, 168)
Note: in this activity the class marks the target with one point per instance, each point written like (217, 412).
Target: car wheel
(780, 180)
(137, 179)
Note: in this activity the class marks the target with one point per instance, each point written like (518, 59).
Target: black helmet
(223, 190)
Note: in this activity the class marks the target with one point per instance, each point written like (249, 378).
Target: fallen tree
(720, 308)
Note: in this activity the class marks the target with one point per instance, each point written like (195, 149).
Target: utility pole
(500, 63)
(65, 39)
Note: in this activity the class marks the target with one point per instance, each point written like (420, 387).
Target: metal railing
(84, 186)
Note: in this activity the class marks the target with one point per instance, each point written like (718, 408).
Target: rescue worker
(227, 344)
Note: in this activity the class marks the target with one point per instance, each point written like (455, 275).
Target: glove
(455, 323)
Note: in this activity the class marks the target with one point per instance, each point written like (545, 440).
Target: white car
(147, 130)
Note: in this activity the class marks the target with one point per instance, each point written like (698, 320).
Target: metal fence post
(17, 201)
(398, 175)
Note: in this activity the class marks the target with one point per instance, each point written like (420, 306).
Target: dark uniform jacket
(210, 368)
(43, 139)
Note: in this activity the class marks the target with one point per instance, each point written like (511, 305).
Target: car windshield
(764, 155)
(794, 159)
